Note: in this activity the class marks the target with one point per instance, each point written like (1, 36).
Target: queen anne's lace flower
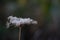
(18, 21)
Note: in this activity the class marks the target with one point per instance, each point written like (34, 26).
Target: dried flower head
(19, 21)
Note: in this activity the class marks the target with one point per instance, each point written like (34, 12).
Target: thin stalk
(19, 33)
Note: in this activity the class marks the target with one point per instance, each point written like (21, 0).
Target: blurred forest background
(46, 12)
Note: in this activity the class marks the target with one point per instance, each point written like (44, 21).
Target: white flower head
(18, 21)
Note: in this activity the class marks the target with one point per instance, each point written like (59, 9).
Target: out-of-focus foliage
(46, 12)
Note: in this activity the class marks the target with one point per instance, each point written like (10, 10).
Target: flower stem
(19, 33)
